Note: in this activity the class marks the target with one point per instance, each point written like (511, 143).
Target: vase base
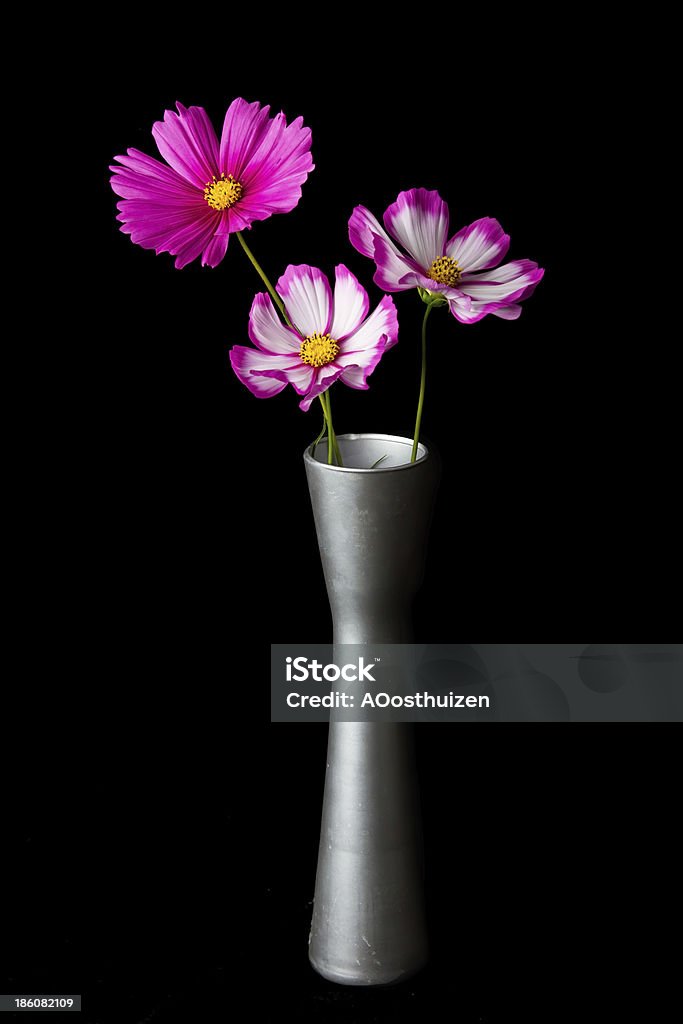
(367, 979)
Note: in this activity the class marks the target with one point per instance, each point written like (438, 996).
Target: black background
(160, 849)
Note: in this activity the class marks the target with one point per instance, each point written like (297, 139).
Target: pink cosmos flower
(333, 338)
(418, 221)
(207, 189)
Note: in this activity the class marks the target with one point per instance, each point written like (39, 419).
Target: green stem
(319, 438)
(261, 273)
(337, 449)
(423, 381)
(332, 443)
(329, 432)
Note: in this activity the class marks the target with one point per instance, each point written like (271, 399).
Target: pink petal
(306, 294)
(243, 128)
(279, 165)
(364, 228)
(187, 244)
(356, 375)
(351, 303)
(419, 221)
(269, 158)
(501, 275)
(479, 245)
(264, 374)
(187, 142)
(240, 216)
(511, 312)
(140, 176)
(455, 297)
(179, 231)
(395, 272)
(381, 324)
(267, 331)
(217, 247)
(143, 220)
(324, 378)
(515, 280)
(299, 375)
(478, 310)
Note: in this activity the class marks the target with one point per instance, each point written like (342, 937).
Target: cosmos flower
(458, 269)
(190, 205)
(333, 337)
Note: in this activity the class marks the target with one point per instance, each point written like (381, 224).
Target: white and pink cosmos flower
(415, 252)
(331, 338)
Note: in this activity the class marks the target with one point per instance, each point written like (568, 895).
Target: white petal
(419, 221)
(351, 303)
(308, 298)
(267, 331)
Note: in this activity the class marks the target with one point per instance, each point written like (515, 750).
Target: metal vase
(368, 923)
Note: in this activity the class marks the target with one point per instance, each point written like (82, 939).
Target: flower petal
(217, 247)
(381, 324)
(502, 275)
(513, 281)
(299, 375)
(356, 375)
(243, 128)
(395, 272)
(478, 310)
(363, 349)
(323, 379)
(165, 228)
(278, 166)
(187, 142)
(364, 228)
(264, 374)
(511, 312)
(419, 221)
(479, 245)
(162, 211)
(188, 244)
(269, 158)
(351, 303)
(140, 176)
(306, 294)
(267, 331)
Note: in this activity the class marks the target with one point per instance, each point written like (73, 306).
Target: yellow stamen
(445, 271)
(318, 349)
(223, 192)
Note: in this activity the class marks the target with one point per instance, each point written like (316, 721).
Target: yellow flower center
(318, 349)
(222, 192)
(445, 271)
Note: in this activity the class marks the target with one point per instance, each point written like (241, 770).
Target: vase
(368, 924)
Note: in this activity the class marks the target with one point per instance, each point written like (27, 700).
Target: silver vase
(368, 923)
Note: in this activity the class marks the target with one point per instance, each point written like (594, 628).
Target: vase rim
(423, 454)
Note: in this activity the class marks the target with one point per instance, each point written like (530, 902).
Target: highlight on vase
(415, 252)
(208, 188)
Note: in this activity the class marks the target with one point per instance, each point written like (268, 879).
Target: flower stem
(423, 381)
(261, 273)
(329, 432)
(319, 438)
(330, 448)
(333, 451)
(337, 450)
